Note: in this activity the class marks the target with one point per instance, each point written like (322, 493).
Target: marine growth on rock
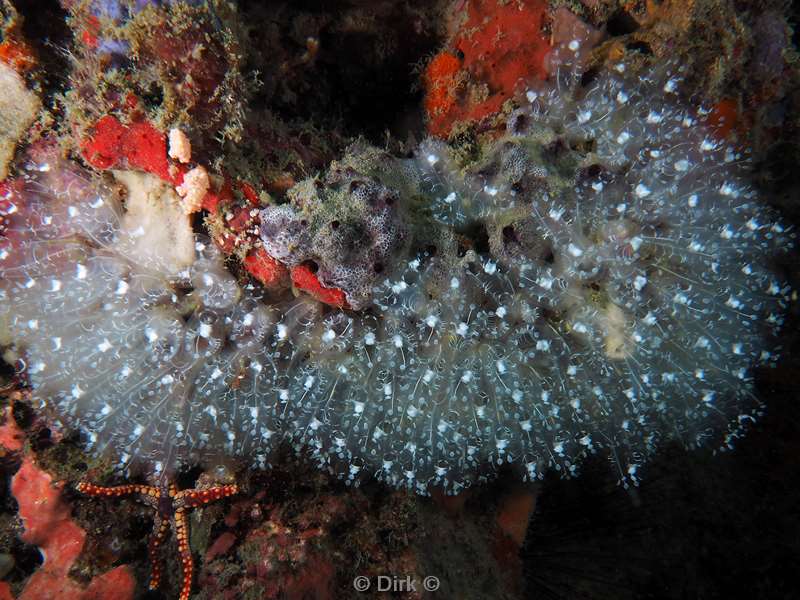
(599, 281)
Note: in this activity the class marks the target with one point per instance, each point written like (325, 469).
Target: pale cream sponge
(154, 227)
(18, 109)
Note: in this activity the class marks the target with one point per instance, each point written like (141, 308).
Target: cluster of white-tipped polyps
(625, 298)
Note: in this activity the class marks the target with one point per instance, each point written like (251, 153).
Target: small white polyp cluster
(623, 300)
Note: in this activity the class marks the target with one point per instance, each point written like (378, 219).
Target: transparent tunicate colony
(621, 296)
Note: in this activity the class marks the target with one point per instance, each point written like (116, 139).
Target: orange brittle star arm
(171, 508)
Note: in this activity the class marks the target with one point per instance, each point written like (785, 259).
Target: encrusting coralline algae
(616, 293)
